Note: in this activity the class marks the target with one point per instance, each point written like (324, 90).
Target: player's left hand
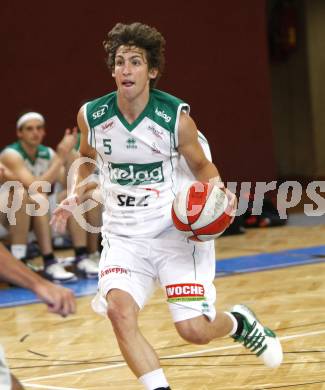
(232, 204)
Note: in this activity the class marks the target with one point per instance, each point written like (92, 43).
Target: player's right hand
(62, 213)
(60, 300)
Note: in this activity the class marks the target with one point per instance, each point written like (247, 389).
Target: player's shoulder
(105, 99)
(165, 96)
(166, 108)
(14, 149)
(100, 108)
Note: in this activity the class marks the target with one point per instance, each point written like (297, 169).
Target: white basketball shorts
(183, 268)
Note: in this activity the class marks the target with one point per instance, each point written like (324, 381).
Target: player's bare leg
(77, 233)
(94, 218)
(18, 232)
(53, 270)
(243, 326)
(43, 233)
(199, 330)
(123, 313)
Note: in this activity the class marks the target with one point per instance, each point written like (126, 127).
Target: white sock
(19, 251)
(154, 379)
(234, 322)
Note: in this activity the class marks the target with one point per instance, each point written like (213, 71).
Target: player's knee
(192, 332)
(121, 312)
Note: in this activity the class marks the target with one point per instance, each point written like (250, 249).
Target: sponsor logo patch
(185, 292)
(107, 125)
(135, 174)
(156, 132)
(155, 149)
(163, 115)
(100, 112)
(114, 270)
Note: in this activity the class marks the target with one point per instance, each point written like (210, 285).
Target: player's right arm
(59, 300)
(84, 169)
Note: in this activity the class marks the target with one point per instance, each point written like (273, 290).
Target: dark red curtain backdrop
(52, 61)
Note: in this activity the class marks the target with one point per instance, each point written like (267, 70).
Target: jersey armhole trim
(183, 107)
(90, 135)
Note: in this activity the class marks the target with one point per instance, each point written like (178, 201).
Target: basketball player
(60, 300)
(31, 161)
(138, 134)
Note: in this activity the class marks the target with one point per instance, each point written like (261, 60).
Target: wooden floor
(47, 352)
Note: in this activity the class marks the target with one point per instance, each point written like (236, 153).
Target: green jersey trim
(163, 108)
(42, 152)
(183, 107)
(99, 110)
(134, 124)
(202, 138)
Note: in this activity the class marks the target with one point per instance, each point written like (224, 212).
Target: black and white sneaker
(87, 268)
(58, 274)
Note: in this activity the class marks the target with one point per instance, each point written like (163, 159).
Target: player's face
(131, 72)
(32, 133)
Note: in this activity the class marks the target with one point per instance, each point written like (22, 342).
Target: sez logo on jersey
(185, 292)
(100, 112)
(135, 174)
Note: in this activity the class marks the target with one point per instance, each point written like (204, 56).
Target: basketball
(201, 211)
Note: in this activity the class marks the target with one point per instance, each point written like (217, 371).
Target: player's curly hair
(139, 35)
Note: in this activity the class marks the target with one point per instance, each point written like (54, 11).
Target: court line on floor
(49, 387)
(226, 347)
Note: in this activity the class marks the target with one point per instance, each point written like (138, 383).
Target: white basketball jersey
(40, 164)
(137, 163)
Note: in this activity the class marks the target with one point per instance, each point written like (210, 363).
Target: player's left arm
(203, 169)
(189, 146)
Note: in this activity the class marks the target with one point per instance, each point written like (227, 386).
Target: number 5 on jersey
(107, 146)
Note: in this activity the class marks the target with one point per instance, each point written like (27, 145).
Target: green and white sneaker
(260, 340)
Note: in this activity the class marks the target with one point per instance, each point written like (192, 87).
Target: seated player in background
(29, 161)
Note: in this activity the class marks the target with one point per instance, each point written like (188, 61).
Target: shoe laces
(253, 339)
